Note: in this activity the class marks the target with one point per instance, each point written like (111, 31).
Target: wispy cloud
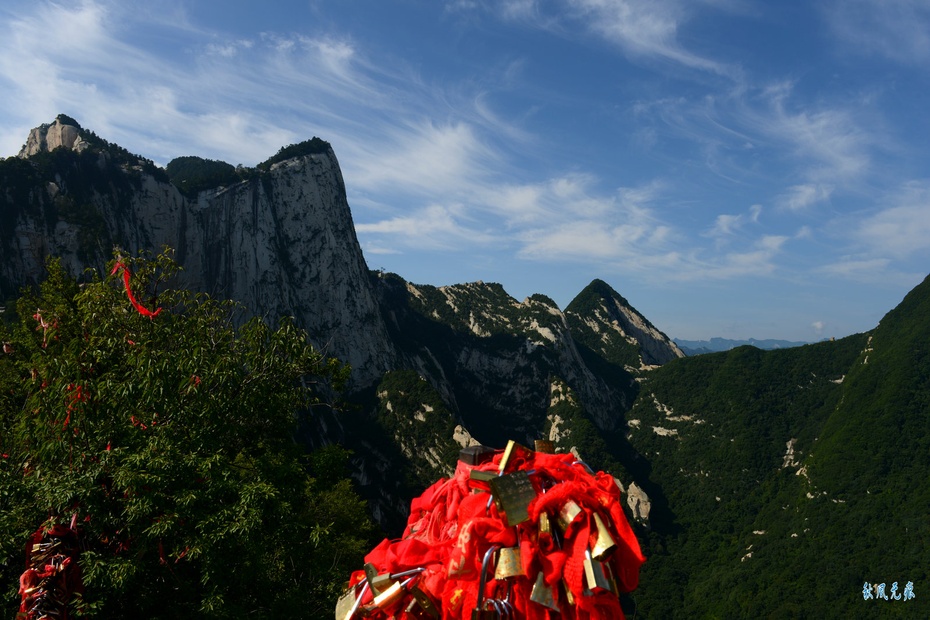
(896, 29)
(884, 246)
(645, 29)
(434, 227)
(729, 224)
(902, 229)
(799, 197)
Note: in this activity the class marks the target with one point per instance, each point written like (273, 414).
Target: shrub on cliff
(169, 433)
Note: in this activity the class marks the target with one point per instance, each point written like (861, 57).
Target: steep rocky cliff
(280, 240)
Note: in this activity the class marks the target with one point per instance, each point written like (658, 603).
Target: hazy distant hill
(714, 345)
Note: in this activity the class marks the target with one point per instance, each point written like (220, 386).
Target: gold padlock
(508, 563)
(513, 493)
(425, 603)
(542, 593)
(544, 528)
(345, 604)
(512, 450)
(388, 597)
(595, 579)
(569, 513)
(605, 544)
(545, 446)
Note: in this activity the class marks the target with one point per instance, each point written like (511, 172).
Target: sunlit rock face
(281, 243)
(63, 132)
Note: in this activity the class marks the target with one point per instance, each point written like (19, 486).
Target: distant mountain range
(761, 483)
(714, 345)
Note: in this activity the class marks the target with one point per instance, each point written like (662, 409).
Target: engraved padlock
(508, 563)
(513, 493)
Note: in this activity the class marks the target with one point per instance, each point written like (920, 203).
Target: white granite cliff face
(656, 348)
(50, 137)
(285, 244)
(281, 244)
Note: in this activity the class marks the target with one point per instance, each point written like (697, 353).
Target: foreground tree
(168, 434)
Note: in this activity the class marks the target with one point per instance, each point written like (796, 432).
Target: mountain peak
(606, 322)
(64, 131)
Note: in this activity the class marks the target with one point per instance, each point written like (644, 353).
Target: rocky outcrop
(606, 322)
(638, 503)
(63, 132)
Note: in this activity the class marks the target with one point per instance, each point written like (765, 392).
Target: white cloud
(867, 270)
(422, 158)
(645, 28)
(726, 225)
(799, 197)
(901, 230)
(445, 227)
(896, 29)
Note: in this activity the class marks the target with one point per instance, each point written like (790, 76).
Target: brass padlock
(508, 563)
(545, 446)
(389, 596)
(378, 582)
(569, 514)
(542, 593)
(595, 578)
(352, 601)
(512, 450)
(345, 604)
(513, 493)
(423, 600)
(605, 544)
(544, 527)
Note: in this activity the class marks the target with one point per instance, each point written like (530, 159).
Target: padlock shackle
(483, 580)
(413, 571)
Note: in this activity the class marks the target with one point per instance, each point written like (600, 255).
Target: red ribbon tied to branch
(132, 298)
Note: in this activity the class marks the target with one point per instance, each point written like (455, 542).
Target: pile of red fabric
(516, 534)
(52, 576)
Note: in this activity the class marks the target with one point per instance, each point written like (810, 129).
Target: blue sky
(733, 168)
